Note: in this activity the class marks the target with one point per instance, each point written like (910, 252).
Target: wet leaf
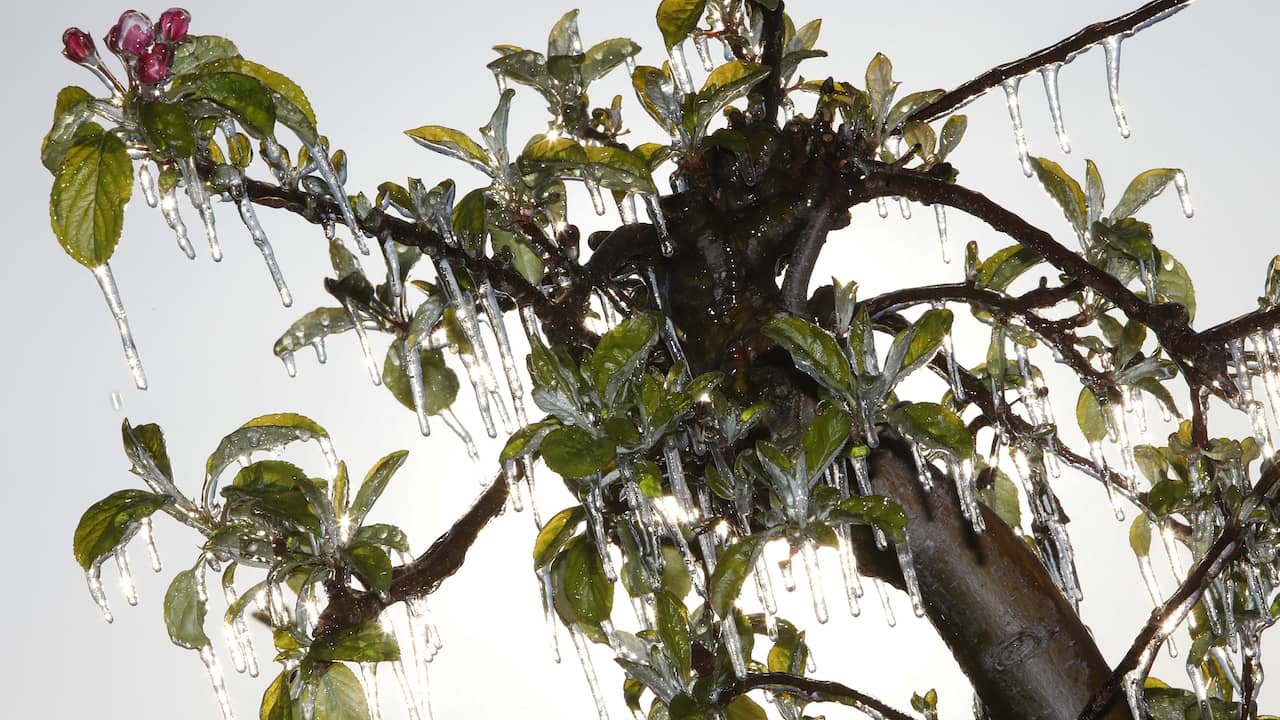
(952, 133)
(1002, 497)
(266, 432)
(908, 105)
(439, 381)
(1173, 284)
(1089, 416)
(933, 426)
(335, 694)
(105, 523)
(199, 50)
(678, 18)
(572, 452)
(605, 56)
(580, 581)
(621, 353)
(732, 570)
(453, 143)
(825, 436)
(311, 328)
(1140, 536)
(72, 110)
(880, 87)
(1064, 190)
(672, 622)
(246, 98)
(366, 643)
(373, 484)
(90, 190)
(555, 534)
(1142, 190)
(184, 611)
(914, 347)
(1006, 265)
(814, 351)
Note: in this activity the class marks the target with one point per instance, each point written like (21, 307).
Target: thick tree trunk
(1013, 633)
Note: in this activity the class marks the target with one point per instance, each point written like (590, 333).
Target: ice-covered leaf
(919, 133)
(672, 624)
(814, 351)
(553, 536)
(1140, 536)
(825, 437)
(732, 570)
(372, 563)
(292, 106)
(439, 381)
(880, 87)
(453, 143)
(744, 708)
(789, 652)
(916, 345)
(335, 693)
(388, 536)
(572, 452)
(952, 133)
(1141, 190)
(909, 104)
(167, 130)
(725, 84)
(246, 98)
(1089, 416)
(105, 523)
(1064, 190)
(1095, 192)
(605, 56)
(621, 353)
(312, 328)
(1173, 284)
(184, 610)
(580, 582)
(145, 447)
(469, 221)
(875, 510)
(90, 190)
(933, 426)
(620, 170)
(1005, 266)
(527, 439)
(199, 50)
(1002, 497)
(657, 93)
(373, 484)
(368, 642)
(523, 257)
(526, 67)
(72, 110)
(678, 18)
(556, 154)
(425, 318)
(266, 432)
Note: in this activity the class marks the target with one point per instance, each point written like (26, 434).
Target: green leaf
(527, 439)
(334, 693)
(1064, 190)
(952, 133)
(72, 110)
(933, 426)
(825, 436)
(620, 170)
(553, 536)
(1089, 416)
(814, 351)
(1173, 284)
(523, 66)
(167, 129)
(572, 452)
(523, 258)
(1131, 340)
(184, 610)
(469, 221)
(200, 50)
(789, 652)
(908, 105)
(90, 190)
(291, 103)
(880, 87)
(266, 432)
(1166, 496)
(453, 143)
(621, 353)
(439, 381)
(605, 56)
(276, 703)
(1006, 265)
(312, 328)
(1141, 191)
(672, 622)
(878, 511)
(1095, 192)
(732, 570)
(106, 522)
(678, 18)
(382, 534)
(368, 642)
(373, 484)
(580, 582)
(373, 564)
(1002, 497)
(657, 93)
(1140, 536)
(915, 346)
(554, 151)
(919, 133)
(144, 445)
(744, 708)
(725, 84)
(243, 96)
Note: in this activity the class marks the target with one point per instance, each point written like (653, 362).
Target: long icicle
(588, 669)
(1049, 73)
(413, 368)
(111, 292)
(489, 301)
(1015, 116)
(1111, 47)
(330, 176)
(370, 363)
(250, 219)
(219, 685)
(199, 198)
(169, 210)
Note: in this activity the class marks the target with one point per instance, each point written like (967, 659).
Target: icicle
(1015, 115)
(94, 578)
(548, 609)
(593, 189)
(885, 602)
(594, 506)
(394, 287)
(323, 164)
(169, 209)
(630, 63)
(659, 220)
(966, 488)
(369, 679)
(127, 586)
(1111, 46)
(1100, 464)
(1197, 686)
(904, 207)
(215, 678)
(940, 212)
(107, 282)
(882, 207)
(231, 632)
(923, 471)
(199, 198)
(406, 690)
(321, 354)
(809, 550)
(1268, 354)
(1050, 75)
(909, 576)
(290, 365)
(1244, 382)
(862, 476)
(704, 51)
(1149, 580)
(149, 540)
(733, 644)
(588, 669)
(477, 365)
(627, 209)
(489, 301)
(953, 368)
(680, 69)
(1184, 195)
(147, 179)
(848, 562)
(250, 219)
(452, 422)
(413, 368)
(362, 336)
(787, 573)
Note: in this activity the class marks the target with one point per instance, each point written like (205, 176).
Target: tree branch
(1061, 52)
(1228, 545)
(810, 689)
(1239, 327)
(795, 285)
(770, 88)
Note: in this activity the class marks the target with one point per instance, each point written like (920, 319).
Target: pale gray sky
(1199, 93)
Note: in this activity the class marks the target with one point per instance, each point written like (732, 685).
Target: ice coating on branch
(1049, 73)
(1184, 194)
(1111, 47)
(199, 198)
(107, 282)
(882, 207)
(215, 679)
(250, 219)
(169, 210)
(147, 181)
(588, 669)
(548, 610)
(149, 541)
(680, 69)
(940, 212)
(413, 369)
(1266, 346)
(1015, 116)
(1133, 682)
(330, 176)
(370, 362)
(94, 579)
(128, 587)
(809, 550)
(885, 602)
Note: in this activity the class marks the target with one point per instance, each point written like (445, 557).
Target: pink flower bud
(112, 39)
(136, 32)
(153, 66)
(78, 47)
(173, 24)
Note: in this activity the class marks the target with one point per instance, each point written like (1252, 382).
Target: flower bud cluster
(146, 48)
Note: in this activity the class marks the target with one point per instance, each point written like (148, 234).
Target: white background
(1199, 93)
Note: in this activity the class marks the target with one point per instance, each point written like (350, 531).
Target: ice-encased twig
(107, 282)
(589, 670)
(330, 176)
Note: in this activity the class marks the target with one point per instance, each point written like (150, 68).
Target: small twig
(1239, 327)
(770, 88)
(810, 689)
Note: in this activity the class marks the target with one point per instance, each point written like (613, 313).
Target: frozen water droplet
(811, 567)
(589, 670)
(704, 51)
(107, 282)
(885, 602)
(680, 69)
(94, 578)
(219, 686)
(941, 213)
(199, 198)
(290, 365)
(169, 210)
(127, 586)
(1015, 116)
(413, 368)
(882, 207)
(322, 355)
(904, 207)
(1050, 75)
(117, 402)
(147, 180)
(1184, 195)
(1111, 47)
